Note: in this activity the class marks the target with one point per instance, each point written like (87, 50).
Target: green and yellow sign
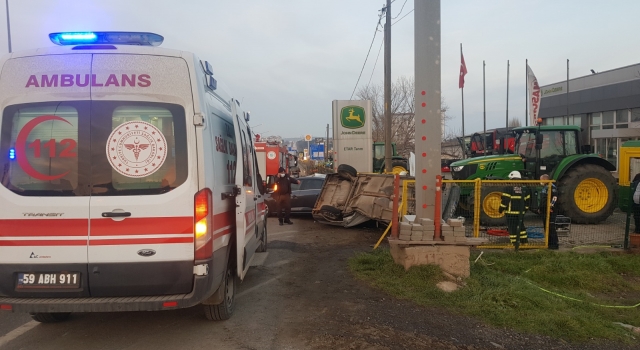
(352, 117)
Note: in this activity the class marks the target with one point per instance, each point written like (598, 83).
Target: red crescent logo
(21, 143)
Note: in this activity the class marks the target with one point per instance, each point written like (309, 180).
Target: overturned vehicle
(348, 198)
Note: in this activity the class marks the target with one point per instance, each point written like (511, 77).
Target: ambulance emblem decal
(136, 149)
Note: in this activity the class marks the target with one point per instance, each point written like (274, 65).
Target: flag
(534, 96)
(463, 70)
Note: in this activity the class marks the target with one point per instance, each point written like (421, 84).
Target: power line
(375, 64)
(370, 46)
(382, 43)
(408, 13)
(399, 13)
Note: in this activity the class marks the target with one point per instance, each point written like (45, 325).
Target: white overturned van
(128, 181)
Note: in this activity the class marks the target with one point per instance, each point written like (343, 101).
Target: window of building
(577, 119)
(635, 115)
(607, 117)
(558, 121)
(596, 119)
(622, 119)
(622, 116)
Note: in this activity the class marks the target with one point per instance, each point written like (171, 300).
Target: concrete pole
(8, 25)
(387, 88)
(427, 99)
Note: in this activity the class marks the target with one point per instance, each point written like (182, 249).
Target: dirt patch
(339, 312)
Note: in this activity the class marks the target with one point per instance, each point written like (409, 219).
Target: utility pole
(507, 117)
(427, 40)
(8, 25)
(326, 147)
(387, 88)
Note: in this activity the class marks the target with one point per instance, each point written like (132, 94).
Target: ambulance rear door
(44, 178)
(143, 176)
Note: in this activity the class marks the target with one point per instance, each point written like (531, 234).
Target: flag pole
(526, 92)
(484, 114)
(462, 89)
(507, 117)
(567, 92)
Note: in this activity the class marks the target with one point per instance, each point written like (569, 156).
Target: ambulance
(128, 180)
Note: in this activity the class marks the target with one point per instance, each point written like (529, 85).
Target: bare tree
(403, 127)
(514, 123)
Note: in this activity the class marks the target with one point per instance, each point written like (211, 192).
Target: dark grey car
(303, 196)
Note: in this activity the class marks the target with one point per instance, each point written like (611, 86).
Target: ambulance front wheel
(263, 239)
(51, 317)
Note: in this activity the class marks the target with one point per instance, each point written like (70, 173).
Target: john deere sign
(352, 135)
(352, 117)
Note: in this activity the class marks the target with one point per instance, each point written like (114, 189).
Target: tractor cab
(543, 149)
(399, 164)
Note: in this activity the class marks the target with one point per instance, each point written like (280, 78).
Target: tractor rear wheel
(586, 194)
(398, 166)
(490, 200)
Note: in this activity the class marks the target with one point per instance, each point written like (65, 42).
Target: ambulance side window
(246, 163)
(45, 148)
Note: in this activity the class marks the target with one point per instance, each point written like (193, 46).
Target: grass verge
(527, 291)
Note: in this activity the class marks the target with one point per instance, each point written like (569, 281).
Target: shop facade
(605, 105)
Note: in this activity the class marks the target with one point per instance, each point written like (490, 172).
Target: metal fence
(478, 202)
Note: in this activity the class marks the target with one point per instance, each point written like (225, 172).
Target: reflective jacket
(514, 200)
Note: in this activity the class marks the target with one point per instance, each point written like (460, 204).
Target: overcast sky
(288, 59)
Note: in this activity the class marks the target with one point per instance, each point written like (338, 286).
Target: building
(606, 105)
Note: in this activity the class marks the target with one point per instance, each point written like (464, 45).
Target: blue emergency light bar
(113, 38)
(12, 154)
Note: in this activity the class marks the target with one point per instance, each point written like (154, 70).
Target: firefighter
(553, 234)
(514, 204)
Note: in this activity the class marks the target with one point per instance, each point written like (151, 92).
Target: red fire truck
(271, 155)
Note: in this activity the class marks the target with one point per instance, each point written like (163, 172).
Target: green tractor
(586, 187)
(398, 164)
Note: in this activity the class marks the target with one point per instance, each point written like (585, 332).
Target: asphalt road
(264, 309)
(301, 297)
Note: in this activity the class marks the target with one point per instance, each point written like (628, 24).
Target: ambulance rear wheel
(224, 310)
(51, 317)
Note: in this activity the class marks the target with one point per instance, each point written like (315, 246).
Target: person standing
(282, 195)
(514, 205)
(553, 234)
(636, 202)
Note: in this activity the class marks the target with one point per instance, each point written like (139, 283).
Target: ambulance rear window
(83, 148)
(40, 145)
(137, 148)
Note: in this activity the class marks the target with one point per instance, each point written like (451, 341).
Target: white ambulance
(128, 180)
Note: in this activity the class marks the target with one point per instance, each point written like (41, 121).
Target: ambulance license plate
(48, 280)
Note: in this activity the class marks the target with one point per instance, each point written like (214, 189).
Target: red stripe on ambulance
(42, 243)
(142, 226)
(170, 240)
(43, 227)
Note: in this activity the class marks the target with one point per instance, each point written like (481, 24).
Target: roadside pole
(427, 105)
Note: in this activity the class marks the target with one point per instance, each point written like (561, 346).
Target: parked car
(303, 195)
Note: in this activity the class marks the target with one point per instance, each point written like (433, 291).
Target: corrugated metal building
(606, 105)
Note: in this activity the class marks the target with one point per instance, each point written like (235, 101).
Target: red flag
(463, 71)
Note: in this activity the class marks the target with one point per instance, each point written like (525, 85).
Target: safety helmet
(515, 175)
